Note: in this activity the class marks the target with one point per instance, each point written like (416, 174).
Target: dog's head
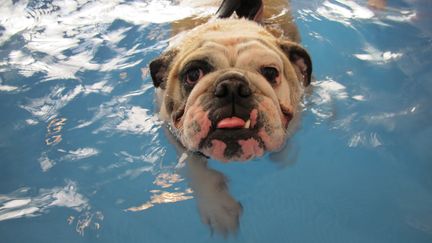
(230, 88)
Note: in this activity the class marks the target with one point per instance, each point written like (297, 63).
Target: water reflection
(54, 128)
(61, 39)
(7, 88)
(360, 129)
(388, 120)
(342, 87)
(378, 57)
(349, 12)
(138, 121)
(47, 107)
(326, 93)
(78, 104)
(164, 181)
(344, 11)
(21, 203)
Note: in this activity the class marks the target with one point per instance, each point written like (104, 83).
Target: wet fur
(217, 207)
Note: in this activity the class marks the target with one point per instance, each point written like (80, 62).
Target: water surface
(84, 157)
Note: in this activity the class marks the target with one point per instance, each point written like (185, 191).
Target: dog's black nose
(232, 88)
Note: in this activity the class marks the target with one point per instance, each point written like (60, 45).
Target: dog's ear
(301, 60)
(159, 68)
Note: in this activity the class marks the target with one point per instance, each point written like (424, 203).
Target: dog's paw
(220, 212)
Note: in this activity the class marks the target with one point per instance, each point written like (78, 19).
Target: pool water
(84, 158)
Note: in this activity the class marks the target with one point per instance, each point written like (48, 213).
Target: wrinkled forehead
(232, 50)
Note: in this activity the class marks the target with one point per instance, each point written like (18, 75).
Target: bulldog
(230, 88)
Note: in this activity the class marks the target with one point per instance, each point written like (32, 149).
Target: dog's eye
(193, 75)
(271, 74)
(193, 71)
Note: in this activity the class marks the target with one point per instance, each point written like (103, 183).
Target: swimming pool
(84, 158)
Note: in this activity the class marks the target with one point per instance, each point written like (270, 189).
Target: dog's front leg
(217, 207)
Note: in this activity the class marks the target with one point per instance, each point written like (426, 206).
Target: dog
(230, 89)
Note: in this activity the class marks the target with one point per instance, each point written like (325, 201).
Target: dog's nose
(232, 88)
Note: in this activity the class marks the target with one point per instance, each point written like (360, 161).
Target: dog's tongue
(232, 122)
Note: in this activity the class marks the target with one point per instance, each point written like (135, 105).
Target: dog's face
(230, 89)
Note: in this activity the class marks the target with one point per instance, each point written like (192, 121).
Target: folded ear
(300, 59)
(159, 68)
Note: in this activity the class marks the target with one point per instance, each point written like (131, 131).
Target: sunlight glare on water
(84, 156)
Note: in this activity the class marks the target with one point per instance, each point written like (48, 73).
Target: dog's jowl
(230, 88)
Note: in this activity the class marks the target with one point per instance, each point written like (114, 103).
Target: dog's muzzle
(232, 88)
(232, 121)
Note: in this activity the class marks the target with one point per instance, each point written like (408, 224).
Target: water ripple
(349, 13)
(21, 204)
(68, 34)
(48, 106)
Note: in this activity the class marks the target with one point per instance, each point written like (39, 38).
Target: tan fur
(198, 42)
(236, 46)
(233, 47)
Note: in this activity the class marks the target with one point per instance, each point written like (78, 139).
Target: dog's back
(276, 17)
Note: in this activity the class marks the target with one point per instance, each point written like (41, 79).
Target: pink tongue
(233, 122)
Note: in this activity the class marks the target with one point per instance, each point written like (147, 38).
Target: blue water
(84, 158)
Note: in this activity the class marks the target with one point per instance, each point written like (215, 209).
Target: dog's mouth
(234, 137)
(232, 132)
(230, 120)
(234, 119)
(233, 123)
